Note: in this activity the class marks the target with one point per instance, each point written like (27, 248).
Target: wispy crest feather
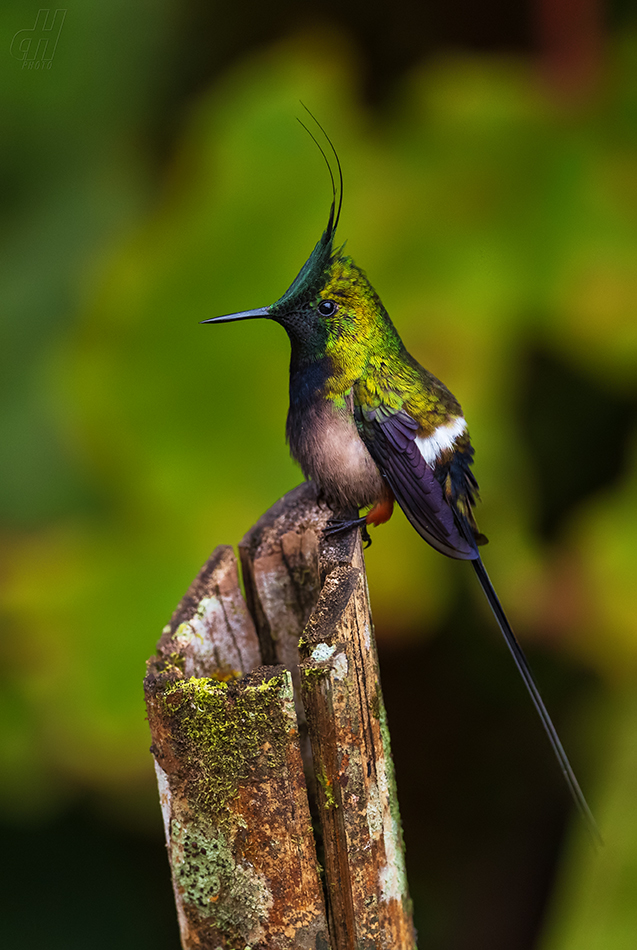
(310, 278)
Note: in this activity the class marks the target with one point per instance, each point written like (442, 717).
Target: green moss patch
(223, 731)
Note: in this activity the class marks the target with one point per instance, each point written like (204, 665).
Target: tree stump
(271, 747)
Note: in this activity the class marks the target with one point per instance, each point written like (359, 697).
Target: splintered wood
(230, 777)
(259, 766)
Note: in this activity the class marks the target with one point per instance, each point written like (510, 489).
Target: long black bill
(242, 315)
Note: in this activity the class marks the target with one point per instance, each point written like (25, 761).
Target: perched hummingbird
(370, 426)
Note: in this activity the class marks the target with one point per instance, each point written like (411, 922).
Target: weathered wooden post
(244, 759)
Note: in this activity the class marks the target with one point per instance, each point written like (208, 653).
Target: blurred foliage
(595, 906)
(499, 228)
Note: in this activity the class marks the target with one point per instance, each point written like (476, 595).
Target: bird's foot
(338, 526)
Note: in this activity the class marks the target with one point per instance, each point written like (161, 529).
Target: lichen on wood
(211, 632)
(229, 734)
(368, 897)
(234, 800)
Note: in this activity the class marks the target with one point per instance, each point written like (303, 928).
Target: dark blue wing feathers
(390, 439)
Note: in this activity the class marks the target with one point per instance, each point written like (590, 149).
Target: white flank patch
(442, 438)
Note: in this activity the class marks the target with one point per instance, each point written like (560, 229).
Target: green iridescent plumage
(370, 425)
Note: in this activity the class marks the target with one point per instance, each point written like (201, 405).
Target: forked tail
(529, 681)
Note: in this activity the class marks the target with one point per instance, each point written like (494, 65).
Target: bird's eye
(327, 307)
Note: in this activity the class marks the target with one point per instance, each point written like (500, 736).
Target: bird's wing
(390, 439)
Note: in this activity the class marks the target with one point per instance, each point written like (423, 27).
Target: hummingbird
(370, 426)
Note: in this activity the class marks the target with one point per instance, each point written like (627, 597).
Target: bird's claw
(338, 526)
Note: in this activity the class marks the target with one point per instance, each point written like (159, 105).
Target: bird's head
(330, 308)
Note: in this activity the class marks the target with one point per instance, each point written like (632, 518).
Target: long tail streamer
(525, 671)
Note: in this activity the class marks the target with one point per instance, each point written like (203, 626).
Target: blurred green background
(153, 174)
